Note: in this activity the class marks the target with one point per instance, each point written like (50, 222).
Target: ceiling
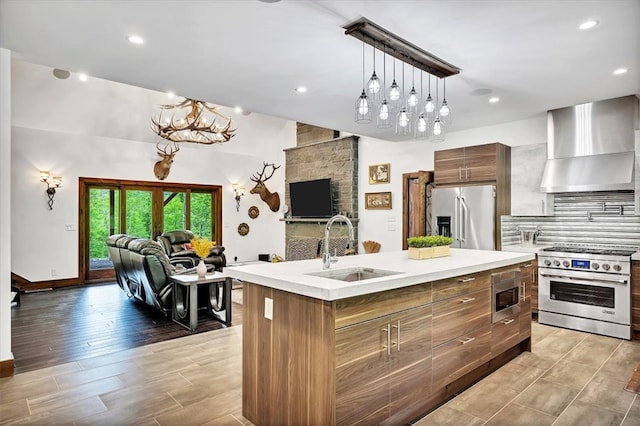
(254, 53)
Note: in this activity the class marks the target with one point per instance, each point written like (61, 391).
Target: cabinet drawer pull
(388, 345)
(466, 340)
(459, 173)
(527, 265)
(466, 280)
(509, 321)
(397, 327)
(467, 299)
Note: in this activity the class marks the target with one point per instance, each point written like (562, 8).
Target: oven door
(605, 297)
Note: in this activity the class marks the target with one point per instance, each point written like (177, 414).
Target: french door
(141, 209)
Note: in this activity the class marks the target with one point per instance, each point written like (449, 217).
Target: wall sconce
(239, 190)
(53, 182)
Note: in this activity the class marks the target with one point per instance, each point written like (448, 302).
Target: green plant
(429, 241)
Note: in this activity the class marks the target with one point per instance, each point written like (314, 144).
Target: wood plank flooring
(70, 324)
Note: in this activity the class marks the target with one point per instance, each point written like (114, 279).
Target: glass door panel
(174, 211)
(104, 220)
(201, 223)
(139, 213)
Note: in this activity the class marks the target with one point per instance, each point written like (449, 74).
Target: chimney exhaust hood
(591, 147)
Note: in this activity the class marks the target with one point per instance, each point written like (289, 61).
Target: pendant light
(429, 106)
(445, 110)
(384, 110)
(403, 121)
(422, 124)
(373, 86)
(395, 91)
(437, 129)
(413, 99)
(363, 110)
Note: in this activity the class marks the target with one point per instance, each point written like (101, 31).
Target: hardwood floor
(71, 324)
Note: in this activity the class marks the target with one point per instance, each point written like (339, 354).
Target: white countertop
(293, 276)
(525, 249)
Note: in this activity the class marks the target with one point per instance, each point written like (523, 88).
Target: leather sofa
(174, 242)
(143, 269)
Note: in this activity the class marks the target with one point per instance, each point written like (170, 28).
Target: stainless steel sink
(353, 274)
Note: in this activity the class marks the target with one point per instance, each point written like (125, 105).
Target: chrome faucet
(327, 259)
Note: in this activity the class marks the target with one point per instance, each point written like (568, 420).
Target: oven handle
(596, 280)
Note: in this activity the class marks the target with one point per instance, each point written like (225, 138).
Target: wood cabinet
(635, 300)
(382, 366)
(529, 278)
(471, 164)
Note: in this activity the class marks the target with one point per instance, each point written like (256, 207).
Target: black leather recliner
(143, 269)
(174, 242)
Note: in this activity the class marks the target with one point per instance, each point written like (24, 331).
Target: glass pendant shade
(445, 110)
(412, 101)
(429, 106)
(437, 131)
(363, 109)
(422, 127)
(373, 88)
(384, 115)
(403, 122)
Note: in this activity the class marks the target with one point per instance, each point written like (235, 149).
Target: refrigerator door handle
(464, 211)
(456, 219)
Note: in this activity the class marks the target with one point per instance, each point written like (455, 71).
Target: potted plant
(425, 247)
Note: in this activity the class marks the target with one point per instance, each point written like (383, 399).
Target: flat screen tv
(311, 198)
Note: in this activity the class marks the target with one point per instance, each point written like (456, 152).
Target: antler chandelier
(192, 121)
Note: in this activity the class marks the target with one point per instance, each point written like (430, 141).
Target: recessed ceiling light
(238, 110)
(494, 99)
(620, 71)
(135, 39)
(82, 77)
(301, 89)
(588, 24)
(171, 95)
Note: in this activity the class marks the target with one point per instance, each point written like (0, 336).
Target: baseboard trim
(6, 368)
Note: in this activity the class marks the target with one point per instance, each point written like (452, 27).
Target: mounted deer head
(271, 198)
(162, 168)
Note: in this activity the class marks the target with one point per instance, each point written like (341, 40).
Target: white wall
(95, 129)
(385, 226)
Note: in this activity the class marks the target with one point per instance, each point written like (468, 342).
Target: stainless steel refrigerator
(467, 214)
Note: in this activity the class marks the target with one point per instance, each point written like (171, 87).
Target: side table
(218, 301)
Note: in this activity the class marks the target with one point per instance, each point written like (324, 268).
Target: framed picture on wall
(379, 173)
(377, 200)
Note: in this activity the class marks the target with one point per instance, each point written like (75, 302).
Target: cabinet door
(481, 163)
(457, 357)
(410, 361)
(525, 319)
(449, 166)
(460, 315)
(505, 334)
(362, 368)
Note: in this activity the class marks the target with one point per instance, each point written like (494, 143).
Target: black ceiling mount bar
(376, 36)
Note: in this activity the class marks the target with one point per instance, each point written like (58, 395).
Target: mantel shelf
(311, 220)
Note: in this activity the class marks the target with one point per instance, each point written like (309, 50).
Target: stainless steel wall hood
(590, 147)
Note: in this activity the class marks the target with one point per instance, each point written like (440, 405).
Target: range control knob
(547, 262)
(606, 266)
(595, 266)
(617, 268)
(565, 263)
(556, 263)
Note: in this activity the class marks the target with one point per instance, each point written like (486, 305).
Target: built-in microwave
(505, 289)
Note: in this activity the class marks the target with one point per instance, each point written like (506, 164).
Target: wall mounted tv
(311, 198)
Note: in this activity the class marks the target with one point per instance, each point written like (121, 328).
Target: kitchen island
(384, 349)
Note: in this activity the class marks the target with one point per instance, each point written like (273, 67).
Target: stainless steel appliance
(506, 300)
(467, 214)
(586, 288)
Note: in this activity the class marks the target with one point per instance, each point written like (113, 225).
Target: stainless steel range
(586, 288)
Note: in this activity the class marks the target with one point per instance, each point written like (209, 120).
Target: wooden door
(449, 166)
(480, 163)
(416, 192)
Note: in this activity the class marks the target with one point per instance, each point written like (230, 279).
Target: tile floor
(570, 378)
